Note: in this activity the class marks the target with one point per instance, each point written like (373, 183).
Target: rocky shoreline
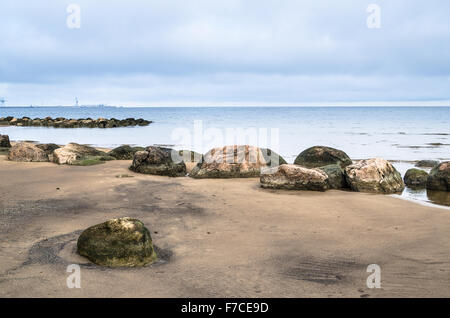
(318, 168)
(61, 122)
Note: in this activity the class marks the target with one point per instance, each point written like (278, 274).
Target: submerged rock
(123, 242)
(427, 163)
(294, 177)
(158, 161)
(27, 152)
(232, 162)
(125, 152)
(4, 141)
(416, 178)
(81, 155)
(336, 176)
(374, 175)
(320, 156)
(439, 178)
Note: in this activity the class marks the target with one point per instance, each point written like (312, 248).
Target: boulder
(27, 152)
(4, 141)
(320, 156)
(439, 178)
(272, 158)
(294, 177)
(123, 242)
(427, 163)
(190, 156)
(81, 155)
(48, 148)
(231, 162)
(416, 178)
(158, 161)
(336, 176)
(374, 175)
(125, 152)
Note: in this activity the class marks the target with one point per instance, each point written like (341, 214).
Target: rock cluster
(123, 242)
(62, 122)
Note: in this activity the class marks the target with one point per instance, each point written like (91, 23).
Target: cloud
(236, 51)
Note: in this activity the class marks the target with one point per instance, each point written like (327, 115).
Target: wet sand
(215, 238)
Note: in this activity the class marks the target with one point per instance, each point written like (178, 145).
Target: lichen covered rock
(123, 242)
(234, 162)
(158, 161)
(27, 152)
(336, 176)
(416, 178)
(75, 154)
(4, 141)
(320, 156)
(374, 175)
(294, 177)
(427, 163)
(124, 152)
(439, 178)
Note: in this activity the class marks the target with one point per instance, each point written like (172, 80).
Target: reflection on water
(423, 195)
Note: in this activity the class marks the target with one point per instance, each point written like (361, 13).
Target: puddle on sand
(439, 199)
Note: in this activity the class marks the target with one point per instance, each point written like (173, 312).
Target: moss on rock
(123, 242)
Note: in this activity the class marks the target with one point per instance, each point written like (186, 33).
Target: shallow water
(401, 134)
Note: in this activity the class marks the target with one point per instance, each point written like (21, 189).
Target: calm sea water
(394, 133)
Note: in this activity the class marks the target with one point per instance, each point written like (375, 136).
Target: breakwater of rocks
(62, 122)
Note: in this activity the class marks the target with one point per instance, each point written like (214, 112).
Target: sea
(402, 135)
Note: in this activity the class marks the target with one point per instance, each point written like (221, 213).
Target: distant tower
(76, 101)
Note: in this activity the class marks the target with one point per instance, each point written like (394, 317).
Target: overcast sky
(225, 52)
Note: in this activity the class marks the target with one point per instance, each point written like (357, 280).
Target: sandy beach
(215, 238)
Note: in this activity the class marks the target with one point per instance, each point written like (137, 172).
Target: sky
(225, 52)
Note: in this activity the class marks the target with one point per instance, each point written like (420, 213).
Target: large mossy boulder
(124, 152)
(158, 161)
(336, 176)
(27, 152)
(79, 155)
(416, 178)
(123, 242)
(320, 156)
(294, 177)
(375, 176)
(427, 163)
(439, 178)
(4, 141)
(234, 162)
